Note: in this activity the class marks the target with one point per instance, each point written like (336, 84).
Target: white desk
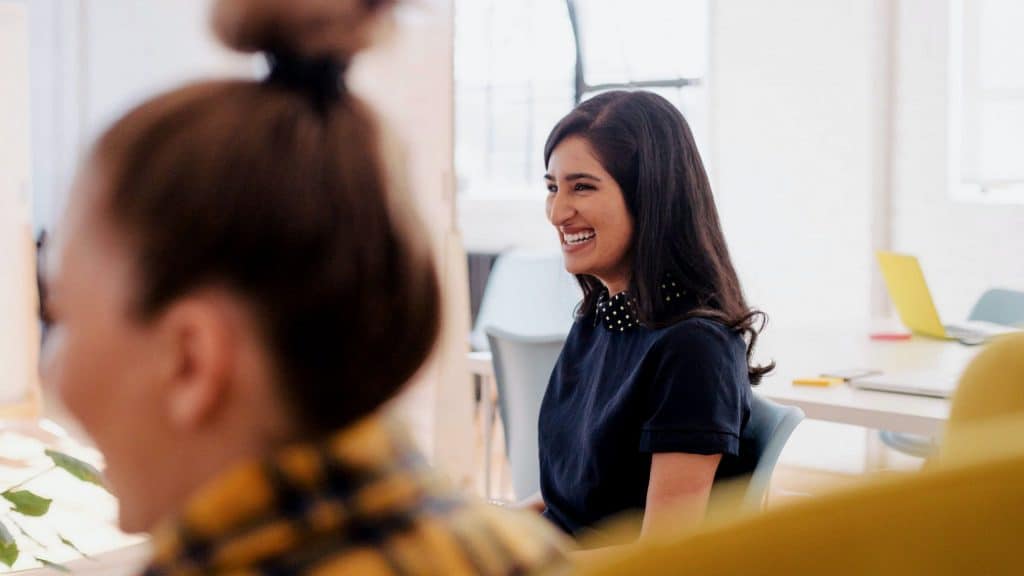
(809, 351)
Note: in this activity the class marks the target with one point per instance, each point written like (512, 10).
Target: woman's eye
(582, 187)
(552, 189)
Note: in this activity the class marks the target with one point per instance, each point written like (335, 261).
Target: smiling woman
(647, 403)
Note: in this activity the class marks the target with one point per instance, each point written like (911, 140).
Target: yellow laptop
(913, 301)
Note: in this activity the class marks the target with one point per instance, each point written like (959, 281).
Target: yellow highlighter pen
(819, 381)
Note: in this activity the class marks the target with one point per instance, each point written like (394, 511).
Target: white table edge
(479, 364)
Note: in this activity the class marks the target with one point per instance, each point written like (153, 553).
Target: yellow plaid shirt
(362, 502)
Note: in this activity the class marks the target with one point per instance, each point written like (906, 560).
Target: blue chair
(996, 305)
(761, 443)
(1000, 306)
(529, 294)
(522, 368)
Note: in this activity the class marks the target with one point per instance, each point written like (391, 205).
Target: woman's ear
(198, 359)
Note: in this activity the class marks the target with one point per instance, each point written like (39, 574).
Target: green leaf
(27, 503)
(8, 547)
(71, 545)
(77, 468)
(54, 565)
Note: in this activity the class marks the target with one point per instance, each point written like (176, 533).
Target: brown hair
(645, 143)
(251, 186)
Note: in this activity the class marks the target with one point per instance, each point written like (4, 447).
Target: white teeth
(579, 238)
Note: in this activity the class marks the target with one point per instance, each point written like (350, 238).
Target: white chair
(522, 368)
(529, 294)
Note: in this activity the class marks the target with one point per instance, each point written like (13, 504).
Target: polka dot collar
(617, 313)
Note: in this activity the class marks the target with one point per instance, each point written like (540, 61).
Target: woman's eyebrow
(574, 176)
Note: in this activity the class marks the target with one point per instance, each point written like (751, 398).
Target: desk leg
(486, 400)
(875, 456)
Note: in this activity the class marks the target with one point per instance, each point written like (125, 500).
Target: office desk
(802, 351)
(810, 351)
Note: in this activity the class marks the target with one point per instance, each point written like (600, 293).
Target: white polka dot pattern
(617, 313)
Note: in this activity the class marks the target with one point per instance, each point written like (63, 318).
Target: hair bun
(311, 28)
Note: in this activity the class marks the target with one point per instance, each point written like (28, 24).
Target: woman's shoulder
(701, 336)
(704, 350)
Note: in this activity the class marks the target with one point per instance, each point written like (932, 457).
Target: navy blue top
(621, 392)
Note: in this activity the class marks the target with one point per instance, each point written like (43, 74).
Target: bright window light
(516, 75)
(990, 62)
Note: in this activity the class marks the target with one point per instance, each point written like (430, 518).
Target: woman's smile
(576, 241)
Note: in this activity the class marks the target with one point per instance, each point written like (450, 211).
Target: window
(520, 65)
(988, 62)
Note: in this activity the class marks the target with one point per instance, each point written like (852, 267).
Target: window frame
(582, 88)
(694, 90)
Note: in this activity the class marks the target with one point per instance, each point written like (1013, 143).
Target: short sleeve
(698, 399)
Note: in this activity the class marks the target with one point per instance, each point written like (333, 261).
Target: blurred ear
(199, 348)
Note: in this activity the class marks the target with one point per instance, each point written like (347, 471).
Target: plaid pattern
(362, 502)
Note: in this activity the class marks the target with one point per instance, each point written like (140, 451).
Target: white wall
(15, 152)
(136, 48)
(19, 333)
(55, 77)
(964, 247)
(409, 81)
(497, 224)
(91, 61)
(795, 140)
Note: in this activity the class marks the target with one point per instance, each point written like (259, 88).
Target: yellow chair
(993, 384)
(990, 397)
(964, 514)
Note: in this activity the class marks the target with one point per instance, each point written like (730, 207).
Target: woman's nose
(560, 208)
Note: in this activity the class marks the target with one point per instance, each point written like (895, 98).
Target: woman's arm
(678, 490)
(677, 496)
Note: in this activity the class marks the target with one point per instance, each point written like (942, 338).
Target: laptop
(919, 383)
(913, 301)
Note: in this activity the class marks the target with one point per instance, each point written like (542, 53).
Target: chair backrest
(527, 293)
(991, 388)
(1000, 306)
(522, 368)
(761, 443)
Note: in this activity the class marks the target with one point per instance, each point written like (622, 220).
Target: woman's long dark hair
(644, 142)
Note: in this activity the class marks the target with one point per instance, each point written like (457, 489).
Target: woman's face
(586, 206)
(105, 364)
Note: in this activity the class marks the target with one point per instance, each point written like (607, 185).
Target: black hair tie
(321, 78)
